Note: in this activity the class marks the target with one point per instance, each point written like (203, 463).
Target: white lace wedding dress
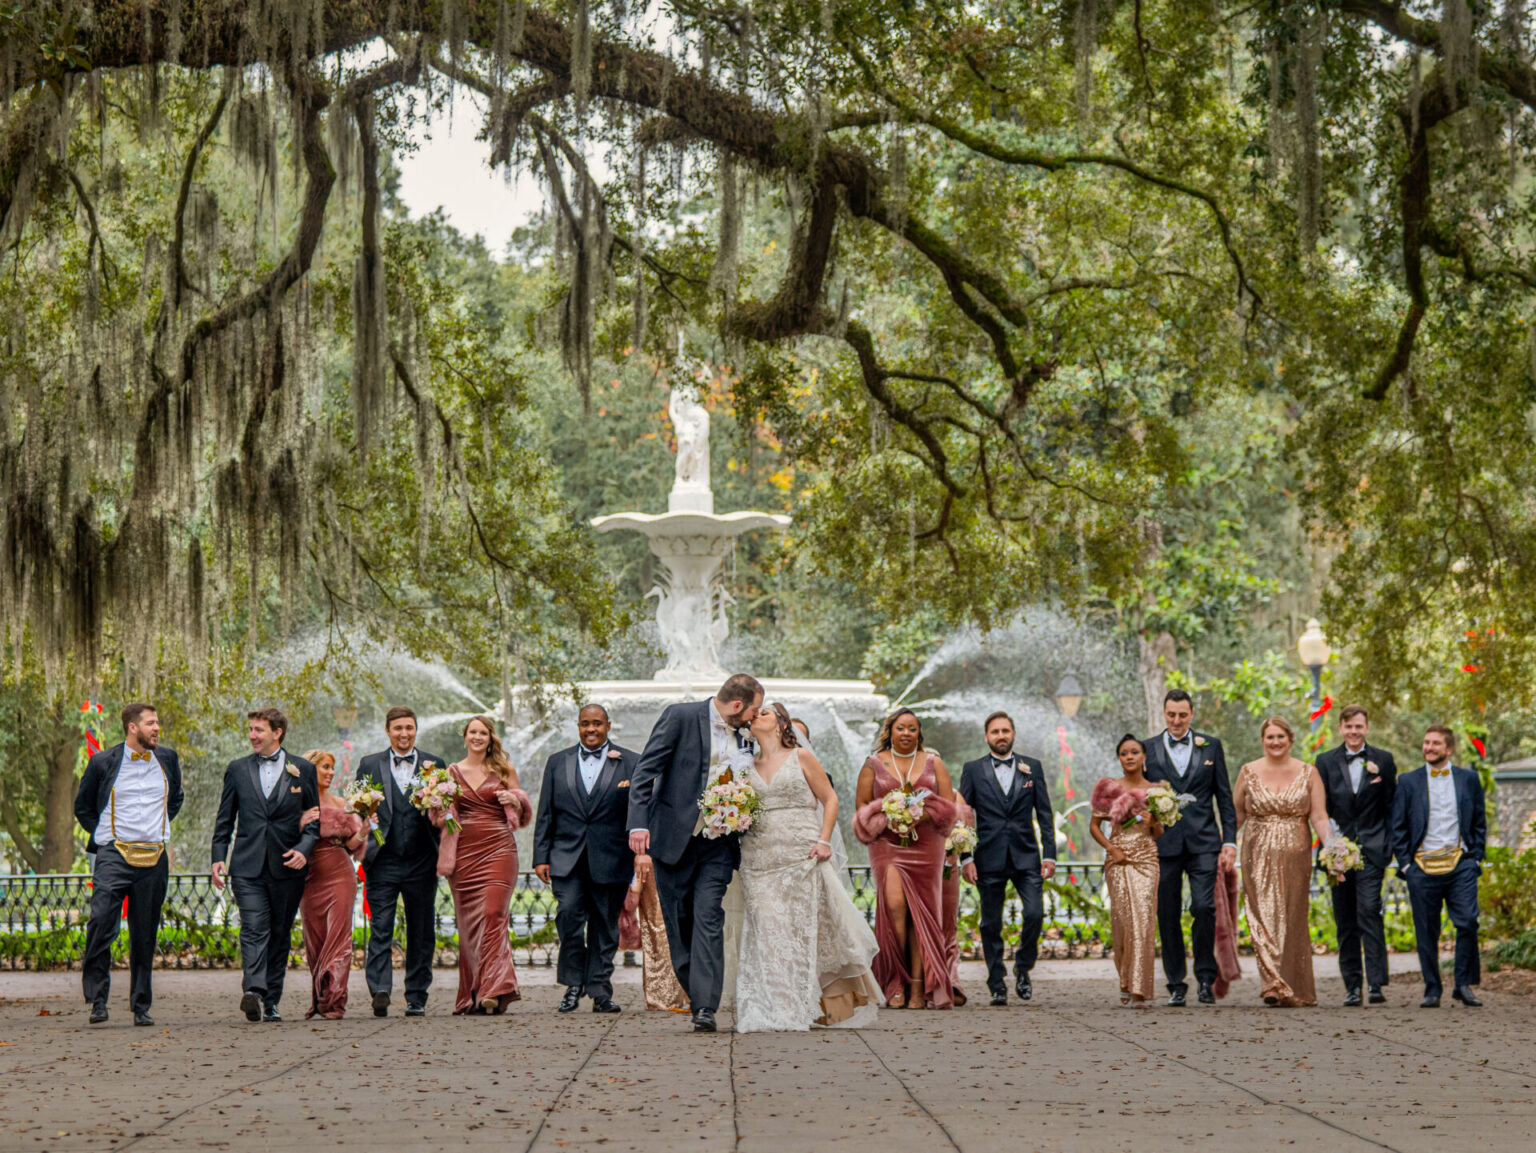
(804, 949)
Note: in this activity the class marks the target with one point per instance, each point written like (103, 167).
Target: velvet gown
(919, 869)
(326, 912)
(482, 882)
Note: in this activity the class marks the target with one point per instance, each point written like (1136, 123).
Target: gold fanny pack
(1437, 862)
(143, 854)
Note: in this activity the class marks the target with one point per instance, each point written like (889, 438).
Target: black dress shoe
(571, 999)
(605, 1005)
(250, 1005)
(704, 1021)
(1000, 999)
(1352, 999)
(143, 1019)
(271, 1014)
(381, 1004)
(415, 1010)
(1430, 1001)
(1206, 995)
(1466, 996)
(1176, 997)
(98, 1013)
(1377, 996)
(1023, 988)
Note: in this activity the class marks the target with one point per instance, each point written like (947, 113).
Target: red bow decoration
(1482, 749)
(1321, 709)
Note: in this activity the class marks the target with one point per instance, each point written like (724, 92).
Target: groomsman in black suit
(581, 850)
(689, 747)
(403, 868)
(127, 799)
(265, 796)
(1439, 833)
(1008, 792)
(1192, 763)
(1360, 781)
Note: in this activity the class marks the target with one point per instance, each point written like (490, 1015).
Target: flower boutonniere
(1023, 767)
(1373, 768)
(614, 754)
(292, 772)
(1200, 742)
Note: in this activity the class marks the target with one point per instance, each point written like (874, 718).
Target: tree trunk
(58, 854)
(1158, 656)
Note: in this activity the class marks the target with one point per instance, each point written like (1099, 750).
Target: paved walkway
(1072, 1071)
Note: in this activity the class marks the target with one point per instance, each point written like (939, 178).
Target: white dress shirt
(141, 794)
(1002, 768)
(403, 770)
(721, 740)
(271, 770)
(590, 764)
(1179, 753)
(1355, 763)
(1444, 828)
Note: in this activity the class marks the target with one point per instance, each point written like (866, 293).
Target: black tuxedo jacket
(264, 827)
(95, 792)
(670, 778)
(1364, 817)
(1197, 831)
(572, 822)
(414, 846)
(1006, 841)
(1410, 814)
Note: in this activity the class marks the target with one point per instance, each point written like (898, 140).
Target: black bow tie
(1173, 740)
(586, 752)
(404, 760)
(272, 760)
(1001, 762)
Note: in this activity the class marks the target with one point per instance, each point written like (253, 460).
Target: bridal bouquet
(1339, 856)
(961, 839)
(1166, 805)
(903, 809)
(434, 790)
(729, 806)
(364, 799)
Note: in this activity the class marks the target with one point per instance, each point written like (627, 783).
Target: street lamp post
(1314, 649)
(1069, 695)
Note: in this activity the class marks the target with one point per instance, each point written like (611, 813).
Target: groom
(1191, 763)
(689, 747)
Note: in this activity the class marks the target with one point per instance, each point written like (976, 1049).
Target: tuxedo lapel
(253, 769)
(706, 741)
(573, 780)
(605, 778)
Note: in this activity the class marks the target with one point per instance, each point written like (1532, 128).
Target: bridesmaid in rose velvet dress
(964, 815)
(481, 865)
(912, 966)
(329, 893)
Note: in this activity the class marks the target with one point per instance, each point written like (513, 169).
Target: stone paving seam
(944, 1129)
(246, 1085)
(1524, 1078)
(569, 1081)
(1241, 1088)
(730, 1057)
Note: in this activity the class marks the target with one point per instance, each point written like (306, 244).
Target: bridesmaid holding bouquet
(1130, 869)
(912, 967)
(330, 892)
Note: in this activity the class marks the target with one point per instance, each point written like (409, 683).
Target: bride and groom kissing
(798, 952)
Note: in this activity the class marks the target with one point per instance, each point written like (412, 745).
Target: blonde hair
(495, 755)
(1280, 723)
(315, 756)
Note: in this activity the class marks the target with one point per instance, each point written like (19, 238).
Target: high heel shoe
(490, 1004)
(899, 1001)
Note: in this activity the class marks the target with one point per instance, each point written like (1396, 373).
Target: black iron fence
(43, 919)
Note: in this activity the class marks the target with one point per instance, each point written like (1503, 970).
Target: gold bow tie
(1439, 772)
(138, 756)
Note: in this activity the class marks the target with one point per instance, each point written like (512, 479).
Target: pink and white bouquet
(1339, 856)
(961, 839)
(434, 790)
(1165, 804)
(903, 809)
(364, 799)
(729, 806)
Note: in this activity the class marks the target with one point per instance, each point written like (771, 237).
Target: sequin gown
(1132, 897)
(484, 876)
(330, 889)
(1277, 878)
(919, 869)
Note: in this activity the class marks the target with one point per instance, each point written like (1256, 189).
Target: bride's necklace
(906, 776)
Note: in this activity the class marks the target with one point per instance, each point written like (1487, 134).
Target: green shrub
(1507, 894)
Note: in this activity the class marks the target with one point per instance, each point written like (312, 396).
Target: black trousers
(1456, 891)
(1200, 868)
(419, 892)
(1358, 917)
(588, 924)
(692, 896)
(267, 906)
(112, 879)
(993, 891)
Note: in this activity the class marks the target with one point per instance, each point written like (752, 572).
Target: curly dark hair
(1120, 744)
(788, 737)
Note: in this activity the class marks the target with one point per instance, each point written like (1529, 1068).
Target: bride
(805, 950)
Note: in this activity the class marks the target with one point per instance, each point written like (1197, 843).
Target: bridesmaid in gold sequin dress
(1276, 799)
(1130, 869)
